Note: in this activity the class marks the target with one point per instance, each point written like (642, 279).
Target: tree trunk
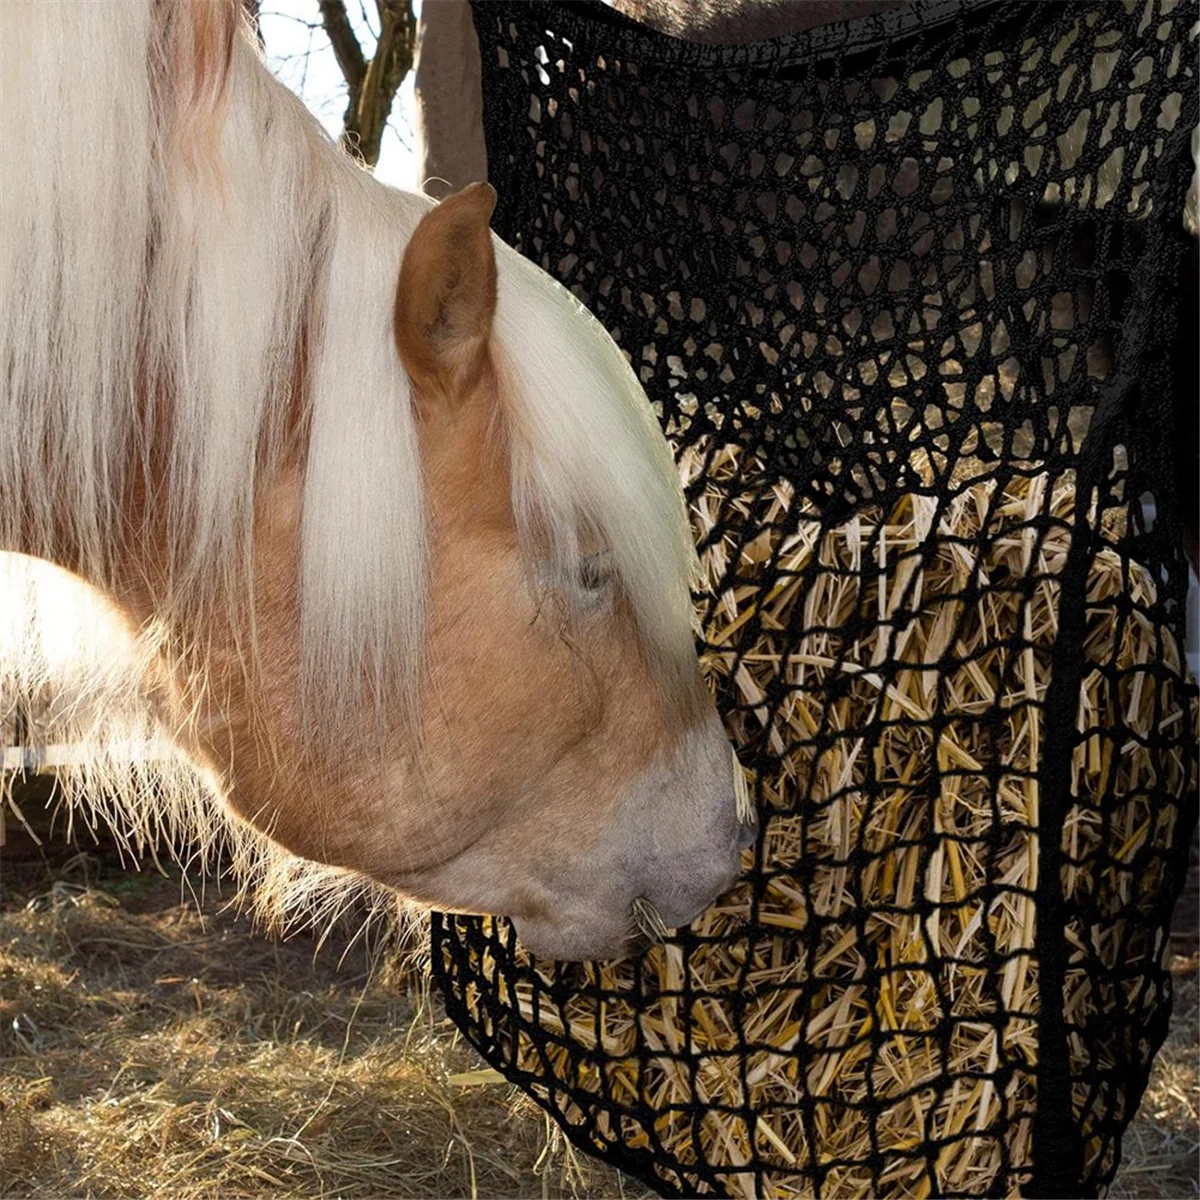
(372, 83)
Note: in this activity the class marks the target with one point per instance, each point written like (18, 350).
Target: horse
(450, 109)
(384, 522)
(447, 74)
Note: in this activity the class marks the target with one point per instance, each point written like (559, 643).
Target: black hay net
(906, 294)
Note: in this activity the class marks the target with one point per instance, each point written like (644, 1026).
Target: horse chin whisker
(647, 918)
(741, 794)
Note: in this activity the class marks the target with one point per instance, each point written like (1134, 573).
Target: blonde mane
(196, 290)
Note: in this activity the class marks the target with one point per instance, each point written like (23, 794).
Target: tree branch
(345, 45)
(371, 105)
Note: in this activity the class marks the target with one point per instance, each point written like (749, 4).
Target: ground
(153, 1044)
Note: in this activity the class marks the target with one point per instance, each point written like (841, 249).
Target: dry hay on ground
(151, 1048)
(1160, 1156)
(921, 897)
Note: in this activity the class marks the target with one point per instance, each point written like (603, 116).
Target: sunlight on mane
(85, 683)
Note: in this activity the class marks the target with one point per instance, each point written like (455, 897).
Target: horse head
(409, 539)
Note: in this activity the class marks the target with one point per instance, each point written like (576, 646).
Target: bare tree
(372, 82)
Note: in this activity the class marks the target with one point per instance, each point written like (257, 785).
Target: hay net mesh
(906, 295)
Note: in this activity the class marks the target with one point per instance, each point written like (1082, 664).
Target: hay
(950, 848)
(131, 1031)
(115, 1066)
(151, 1047)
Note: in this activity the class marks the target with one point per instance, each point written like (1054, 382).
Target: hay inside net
(859, 976)
(900, 289)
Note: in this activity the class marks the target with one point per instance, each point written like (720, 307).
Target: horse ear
(447, 294)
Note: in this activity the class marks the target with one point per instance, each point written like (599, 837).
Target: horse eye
(595, 572)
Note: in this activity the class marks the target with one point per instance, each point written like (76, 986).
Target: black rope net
(906, 293)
